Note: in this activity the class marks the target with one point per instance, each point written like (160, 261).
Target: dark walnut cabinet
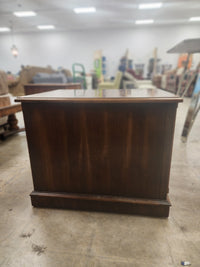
(101, 150)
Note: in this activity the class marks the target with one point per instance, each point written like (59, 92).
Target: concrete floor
(45, 237)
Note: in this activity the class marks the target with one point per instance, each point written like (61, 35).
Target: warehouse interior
(123, 79)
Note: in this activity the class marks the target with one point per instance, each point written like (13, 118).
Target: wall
(65, 48)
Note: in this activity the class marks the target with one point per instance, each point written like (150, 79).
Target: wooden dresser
(101, 150)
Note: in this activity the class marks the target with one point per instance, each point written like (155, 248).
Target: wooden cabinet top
(103, 96)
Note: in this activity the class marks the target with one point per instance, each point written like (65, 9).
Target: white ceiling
(110, 13)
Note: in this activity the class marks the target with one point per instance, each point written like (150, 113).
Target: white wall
(65, 48)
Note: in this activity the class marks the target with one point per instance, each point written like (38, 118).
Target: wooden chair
(8, 121)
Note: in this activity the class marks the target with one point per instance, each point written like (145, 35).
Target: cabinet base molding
(102, 203)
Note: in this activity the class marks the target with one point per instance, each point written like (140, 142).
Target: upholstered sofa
(170, 81)
(26, 76)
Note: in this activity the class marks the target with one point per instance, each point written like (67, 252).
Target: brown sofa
(26, 75)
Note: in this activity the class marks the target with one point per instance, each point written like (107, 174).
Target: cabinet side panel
(106, 149)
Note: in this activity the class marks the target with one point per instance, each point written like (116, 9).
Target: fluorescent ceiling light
(150, 5)
(4, 29)
(24, 13)
(46, 27)
(79, 10)
(147, 21)
(194, 19)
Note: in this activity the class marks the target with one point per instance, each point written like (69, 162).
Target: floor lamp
(189, 46)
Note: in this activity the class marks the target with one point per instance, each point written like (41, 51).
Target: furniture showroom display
(101, 150)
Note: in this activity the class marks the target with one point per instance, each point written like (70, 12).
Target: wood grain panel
(120, 149)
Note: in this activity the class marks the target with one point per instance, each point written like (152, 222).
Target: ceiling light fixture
(24, 13)
(4, 29)
(14, 49)
(46, 27)
(80, 10)
(147, 21)
(194, 19)
(150, 5)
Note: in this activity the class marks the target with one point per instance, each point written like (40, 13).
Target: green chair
(112, 85)
(79, 74)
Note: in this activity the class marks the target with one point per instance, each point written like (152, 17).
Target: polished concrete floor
(44, 237)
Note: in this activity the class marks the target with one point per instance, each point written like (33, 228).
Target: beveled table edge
(101, 100)
(140, 96)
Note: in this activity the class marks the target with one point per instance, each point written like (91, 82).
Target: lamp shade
(189, 46)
